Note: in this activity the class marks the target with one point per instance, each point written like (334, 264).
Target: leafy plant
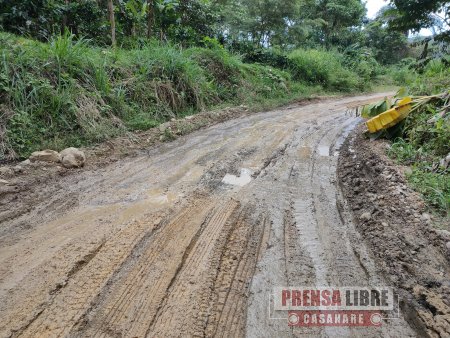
(435, 187)
(324, 68)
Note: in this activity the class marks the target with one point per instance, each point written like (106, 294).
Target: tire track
(184, 309)
(231, 287)
(204, 263)
(149, 273)
(74, 299)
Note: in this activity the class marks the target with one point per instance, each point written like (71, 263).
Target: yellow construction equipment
(390, 117)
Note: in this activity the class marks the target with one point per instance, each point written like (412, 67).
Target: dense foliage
(415, 15)
(285, 25)
(424, 141)
(66, 92)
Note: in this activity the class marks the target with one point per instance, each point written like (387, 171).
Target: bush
(324, 68)
(426, 134)
(68, 93)
(402, 75)
(434, 79)
(435, 187)
(426, 129)
(361, 61)
(222, 70)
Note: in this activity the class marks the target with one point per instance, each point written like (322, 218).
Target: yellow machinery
(390, 117)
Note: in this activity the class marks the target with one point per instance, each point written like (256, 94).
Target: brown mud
(157, 244)
(408, 249)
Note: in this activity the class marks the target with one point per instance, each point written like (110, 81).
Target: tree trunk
(150, 19)
(112, 22)
(64, 20)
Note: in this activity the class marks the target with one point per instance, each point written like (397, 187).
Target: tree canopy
(284, 24)
(414, 15)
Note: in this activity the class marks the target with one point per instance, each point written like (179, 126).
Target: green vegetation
(426, 177)
(68, 93)
(425, 137)
(435, 188)
(326, 68)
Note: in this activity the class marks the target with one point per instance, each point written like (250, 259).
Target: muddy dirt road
(189, 238)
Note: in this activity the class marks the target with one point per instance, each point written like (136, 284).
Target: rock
(2, 182)
(365, 216)
(26, 162)
(50, 156)
(444, 233)
(72, 158)
(408, 171)
(164, 126)
(5, 171)
(426, 217)
(17, 169)
(445, 162)
(448, 246)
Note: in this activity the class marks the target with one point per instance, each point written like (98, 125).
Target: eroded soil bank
(408, 249)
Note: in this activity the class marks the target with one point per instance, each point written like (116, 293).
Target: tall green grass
(325, 68)
(68, 93)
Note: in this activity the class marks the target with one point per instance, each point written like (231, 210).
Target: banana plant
(415, 103)
(137, 10)
(166, 5)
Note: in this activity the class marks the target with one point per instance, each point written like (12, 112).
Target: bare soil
(409, 250)
(155, 244)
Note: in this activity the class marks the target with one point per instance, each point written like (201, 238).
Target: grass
(68, 93)
(426, 176)
(425, 138)
(435, 187)
(325, 68)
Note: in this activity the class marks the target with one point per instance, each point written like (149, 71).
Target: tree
(388, 46)
(417, 14)
(112, 22)
(262, 22)
(335, 19)
(43, 18)
(150, 18)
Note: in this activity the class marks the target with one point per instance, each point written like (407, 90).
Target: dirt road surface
(190, 238)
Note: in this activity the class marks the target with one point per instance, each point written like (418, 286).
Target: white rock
(72, 158)
(3, 182)
(444, 233)
(26, 162)
(18, 169)
(365, 216)
(448, 245)
(445, 162)
(426, 217)
(6, 171)
(45, 156)
(164, 126)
